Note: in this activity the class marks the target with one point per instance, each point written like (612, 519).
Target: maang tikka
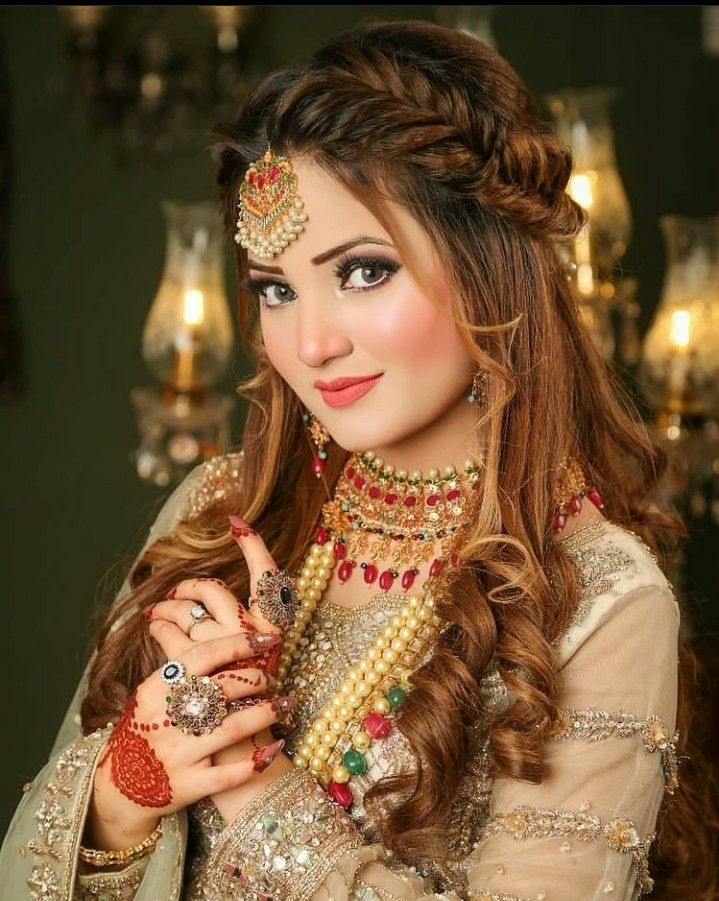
(270, 214)
(320, 436)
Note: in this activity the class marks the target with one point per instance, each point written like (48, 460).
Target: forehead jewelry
(270, 213)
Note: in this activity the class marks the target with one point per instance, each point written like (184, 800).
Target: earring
(478, 394)
(320, 436)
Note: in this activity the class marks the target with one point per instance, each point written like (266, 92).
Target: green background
(86, 248)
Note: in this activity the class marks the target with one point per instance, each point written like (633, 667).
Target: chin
(364, 439)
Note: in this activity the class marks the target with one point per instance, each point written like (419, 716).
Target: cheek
(410, 328)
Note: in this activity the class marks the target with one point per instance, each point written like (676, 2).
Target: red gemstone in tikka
(359, 482)
(339, 549)
(350, 472)
(453, 494)
(436, 567)
(390, 498)
(575, 505)
(559, 522)
(374, 492)
(433, 500)
(322, 536)
(318, 466)
(410, 500)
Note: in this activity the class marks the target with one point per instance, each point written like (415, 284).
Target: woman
(478, 695)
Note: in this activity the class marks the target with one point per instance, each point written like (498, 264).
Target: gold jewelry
(106, 858)
(270, 212)
(320, 436)
(478, 394)
(196, 704)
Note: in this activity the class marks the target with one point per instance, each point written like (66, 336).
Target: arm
(584, 832)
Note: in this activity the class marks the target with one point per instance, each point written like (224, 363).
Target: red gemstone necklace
(384, 514)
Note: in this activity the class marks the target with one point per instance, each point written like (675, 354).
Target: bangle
(105, 858)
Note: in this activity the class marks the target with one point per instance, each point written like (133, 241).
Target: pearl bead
(305, 751)
(373, 654)
(344, 713)
(328, 561)
(365, 666)
(433, 473)
(324, 572)
(316, 765)
(398, 645)
(406, 634)
(414, 601)
(382, 705)
(337, 726)
(373, 677)
(353, 675)
(319, 584)
(322, 753)
(382, 643)
(340, 773)
(361, 740)
(302, 582)
(364, 689)
(307, 572)
(312, 739)
(318, 726)
(354, 701)
(390, 655)
(329, 739)
(397, 622)
(300, 762)
(381, 666)
(389, 632)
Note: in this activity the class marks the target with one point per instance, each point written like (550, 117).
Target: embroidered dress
(583, 833)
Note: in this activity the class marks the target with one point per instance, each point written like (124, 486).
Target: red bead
(433, 499)
(436, 567)
(350, 472)
(560, 520)
(341, 793)
(322, 536)
(596, 498)
(377, 725)
(344, 571)
(340, 550)
(374, 491)
(453, 494)
(455, 560)
(408, 579)
(318, 466)
(575, 505)
(410, 501)
(386, 580)
(390, 498)
(370, 573)
(359, 482)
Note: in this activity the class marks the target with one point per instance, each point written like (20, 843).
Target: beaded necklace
(404, 515)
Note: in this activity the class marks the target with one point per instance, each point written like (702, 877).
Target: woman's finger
(259, 561)
(173, 641)
(216, 779)
(245, 682)
(213, 594)
(206, 657)
(238, 726)
(179, 613)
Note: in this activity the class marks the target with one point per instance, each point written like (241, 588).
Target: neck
(449, 440)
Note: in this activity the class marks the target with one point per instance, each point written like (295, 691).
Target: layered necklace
(383, 515)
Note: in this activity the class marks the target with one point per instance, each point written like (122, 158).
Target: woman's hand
(151, 768)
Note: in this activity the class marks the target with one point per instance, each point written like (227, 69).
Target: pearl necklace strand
(332, 746)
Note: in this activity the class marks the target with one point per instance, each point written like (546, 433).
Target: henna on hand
(135, 769)
(263, 757)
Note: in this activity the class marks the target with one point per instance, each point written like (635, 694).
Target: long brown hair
(440, 123)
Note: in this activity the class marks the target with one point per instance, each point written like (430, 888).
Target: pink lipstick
(347, 390)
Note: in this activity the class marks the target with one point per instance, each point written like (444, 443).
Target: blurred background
(118, 352)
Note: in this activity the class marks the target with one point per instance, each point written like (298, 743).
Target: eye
(259, 287)
(365, 269)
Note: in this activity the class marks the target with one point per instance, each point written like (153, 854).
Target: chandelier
(154, 81)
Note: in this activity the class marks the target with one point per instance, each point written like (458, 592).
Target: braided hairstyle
(433, 119)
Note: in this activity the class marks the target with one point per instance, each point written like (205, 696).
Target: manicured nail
(271, 682)
(170, 596)
(147, 611)
(283, 705)
(263, 757)
(240, 528)
(260, 641)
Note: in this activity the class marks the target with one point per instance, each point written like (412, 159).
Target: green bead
(354, 761)
(396, 696)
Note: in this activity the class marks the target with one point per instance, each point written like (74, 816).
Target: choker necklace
(391, 515)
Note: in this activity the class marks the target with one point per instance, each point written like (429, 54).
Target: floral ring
(195, 704)
(277, 597)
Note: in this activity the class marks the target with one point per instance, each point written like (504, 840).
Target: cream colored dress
(583, 833)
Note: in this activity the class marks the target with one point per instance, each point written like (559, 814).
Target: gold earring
(320, 436)
(478, 394)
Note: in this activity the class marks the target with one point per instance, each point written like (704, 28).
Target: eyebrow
(327, 255)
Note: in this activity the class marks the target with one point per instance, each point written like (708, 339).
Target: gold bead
(398, 645)
(364, 688)
(365, 666)
(318, 726)
(389, 632)
(382, 643)
(405, 612)
(312, 739)
(382, 705)
(329, 739)
(405, 634)
(344, 712)
(373, 677)
(414, 601)
(322, 753)
(353, 675)
(353, 700)
(413, 622)
(316, 765)
(373, 654)
(337, 726)
(341, 774)
(381, 666)
(300, 762)
(305, 751)
(390, 655)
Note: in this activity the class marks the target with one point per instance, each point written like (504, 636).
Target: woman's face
(328, 314)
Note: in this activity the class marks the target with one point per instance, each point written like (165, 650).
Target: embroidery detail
(217, 479)
(273, 850)
(481, 895)
(620, 833)
(596, 724)
(59, 826)
(117, 886)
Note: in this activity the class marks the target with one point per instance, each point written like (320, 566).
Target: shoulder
(614, 566)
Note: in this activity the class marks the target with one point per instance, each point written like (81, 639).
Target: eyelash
(345, 266)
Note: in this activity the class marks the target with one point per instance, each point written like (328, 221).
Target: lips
(344, 382)
(352, 391)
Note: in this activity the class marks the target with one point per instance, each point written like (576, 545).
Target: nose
(320, 335)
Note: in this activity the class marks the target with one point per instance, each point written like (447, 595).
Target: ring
(197, 614)
(195, 704)
(277, 597)
(172, 671)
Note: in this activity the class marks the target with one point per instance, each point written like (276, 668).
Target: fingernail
(263, 757)
(271, 682)
(283, 705)
(147, 611)
(170, 596)
(239, 527)
(260, 641)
